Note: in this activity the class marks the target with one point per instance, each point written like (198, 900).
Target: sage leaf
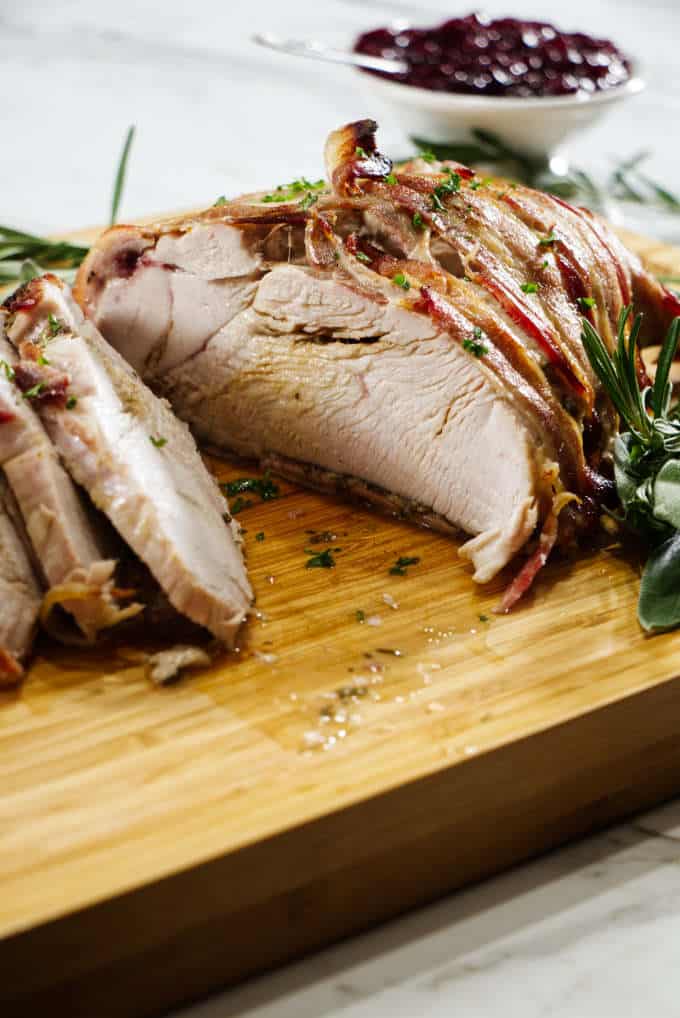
(659, 604)
(666, 498)
(626, 481)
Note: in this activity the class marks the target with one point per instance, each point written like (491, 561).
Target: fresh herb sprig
(626, 183)
(119, 179)
(646, 462)
(23, 255)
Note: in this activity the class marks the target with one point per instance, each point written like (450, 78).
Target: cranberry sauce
(503, 57)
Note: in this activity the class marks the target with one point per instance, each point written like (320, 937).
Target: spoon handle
(317, 51)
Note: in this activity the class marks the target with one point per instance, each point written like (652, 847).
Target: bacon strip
(11, 672)
(351, 155)
(531, 568)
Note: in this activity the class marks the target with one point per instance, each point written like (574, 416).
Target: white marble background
(592, 931)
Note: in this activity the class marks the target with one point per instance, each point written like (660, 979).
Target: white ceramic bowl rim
(447, 100)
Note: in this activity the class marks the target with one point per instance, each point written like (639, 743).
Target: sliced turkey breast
(20, 591)
(67, 539)
(137, 462)
(419, 336)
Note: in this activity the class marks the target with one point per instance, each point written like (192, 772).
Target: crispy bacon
(351, 155)
(11, 672)
(319, 242)
(492, 279)
(40, 383)
(531, 568)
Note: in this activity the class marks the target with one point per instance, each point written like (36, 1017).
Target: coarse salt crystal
(268, 659)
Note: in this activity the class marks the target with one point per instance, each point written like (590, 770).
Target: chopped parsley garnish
(321, 559)
(529, 287)
(239, 504)
(417, 220)
(259, 536)
(35, 391)
(262, 486)
(449, 186)
(428, 157)
(8, 369)
(158, 441)
(308, 200)
(43, 361)
(547, 241)
(403, 562)
(390, 179)
(71, 403)
(284, 192)
(401, 280)
(475, 346)
(54, 325)
(360, 616)
(545, 264)
(360, 152)
(483, 618)
(220, 201)
(476, 184)
(586, 302)
(363, 257)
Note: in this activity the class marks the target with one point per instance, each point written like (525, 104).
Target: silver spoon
(318, 51)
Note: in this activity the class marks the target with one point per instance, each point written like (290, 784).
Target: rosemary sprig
(626, 182)
(119, 181)
(25, 255)
(646, 462)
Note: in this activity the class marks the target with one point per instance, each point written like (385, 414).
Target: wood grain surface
(335, 770)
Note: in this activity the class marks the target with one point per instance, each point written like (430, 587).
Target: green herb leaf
(666, 494)
(661, 391)
(55, 327)
(401, 280)
(475, 348)
(363, 257)
(259, 536)
(321, 559)
(34, 391)
(390, 179)
(401, 565)
(239, 504)
(547, 241)
(8, 369)
(71, 403)
(285, 192)
(119, 181)
(360, 616)
(158, 442)
(417, 220)
(262, 486)
(659, 604)
(586, 302)
(220, 201)
(529, 287)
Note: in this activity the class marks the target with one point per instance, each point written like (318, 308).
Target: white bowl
(536, 126)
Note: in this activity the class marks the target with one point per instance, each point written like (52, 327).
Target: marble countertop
(592, 931)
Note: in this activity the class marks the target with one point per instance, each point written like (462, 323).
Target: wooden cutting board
(158, 843)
